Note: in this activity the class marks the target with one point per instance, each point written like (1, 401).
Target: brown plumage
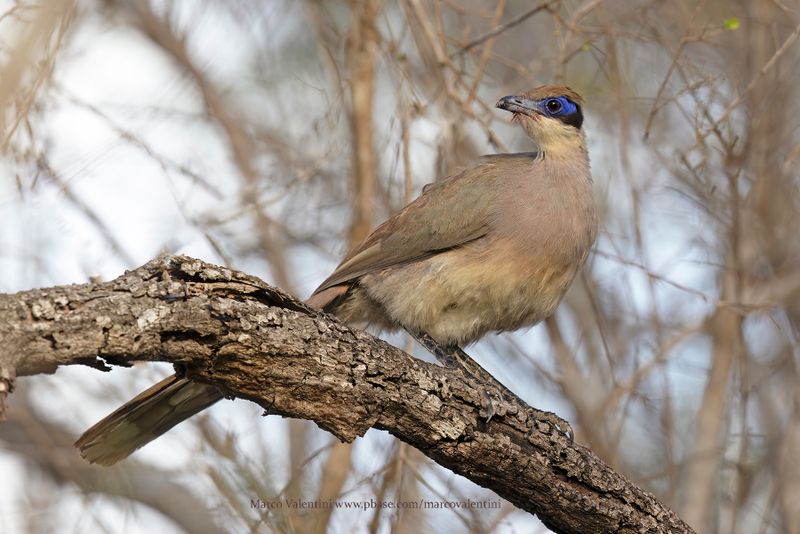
(553, 90)
(492, 248)
(144, 418)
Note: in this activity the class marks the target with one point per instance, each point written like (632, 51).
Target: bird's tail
(144, 418)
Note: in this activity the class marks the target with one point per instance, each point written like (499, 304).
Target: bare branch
(47, 446)
(522, 17)
(258, 343)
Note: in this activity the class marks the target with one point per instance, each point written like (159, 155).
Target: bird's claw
(492, 400)
(558, 424)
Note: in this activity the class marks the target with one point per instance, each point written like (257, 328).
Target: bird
(492, 248)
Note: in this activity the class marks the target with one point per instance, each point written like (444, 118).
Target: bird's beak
(518, 104)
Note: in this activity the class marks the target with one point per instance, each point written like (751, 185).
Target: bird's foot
(493, 403)
(558, 424)
(494, 394)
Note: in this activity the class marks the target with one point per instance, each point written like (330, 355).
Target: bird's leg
(454, 357)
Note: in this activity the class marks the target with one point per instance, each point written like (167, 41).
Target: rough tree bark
(257, 342)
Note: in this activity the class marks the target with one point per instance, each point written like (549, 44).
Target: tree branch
(257, 342)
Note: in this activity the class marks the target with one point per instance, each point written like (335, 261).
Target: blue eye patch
(557, 106)
(561, 108)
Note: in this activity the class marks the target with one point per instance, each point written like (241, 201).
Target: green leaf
(731, 23)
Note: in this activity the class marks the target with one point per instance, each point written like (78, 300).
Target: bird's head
(550, 114)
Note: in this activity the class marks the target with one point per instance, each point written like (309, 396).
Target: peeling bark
(256, 342)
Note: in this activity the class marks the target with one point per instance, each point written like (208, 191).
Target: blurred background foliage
(272, 135)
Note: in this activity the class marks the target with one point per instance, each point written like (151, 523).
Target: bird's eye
(553, 105)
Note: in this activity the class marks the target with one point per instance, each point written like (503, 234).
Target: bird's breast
(460, 295)
(540, 233)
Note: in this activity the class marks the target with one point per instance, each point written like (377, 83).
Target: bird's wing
(460, 206)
